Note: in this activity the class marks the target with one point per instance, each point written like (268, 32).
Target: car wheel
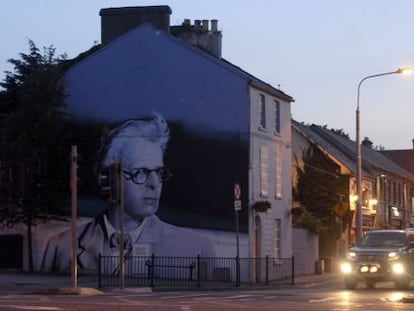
(403, 283)
(350, 283)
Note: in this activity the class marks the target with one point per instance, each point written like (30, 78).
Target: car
(381, 255)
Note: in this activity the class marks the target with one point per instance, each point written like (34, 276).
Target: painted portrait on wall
(173, 181)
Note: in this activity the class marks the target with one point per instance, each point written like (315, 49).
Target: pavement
(18, 282)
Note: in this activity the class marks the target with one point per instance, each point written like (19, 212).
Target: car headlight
(351, 256)
(346, 267)
(398, 268)
(393, 256)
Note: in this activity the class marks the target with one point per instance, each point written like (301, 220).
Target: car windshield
(384, 239)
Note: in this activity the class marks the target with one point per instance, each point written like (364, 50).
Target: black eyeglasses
(140, 175)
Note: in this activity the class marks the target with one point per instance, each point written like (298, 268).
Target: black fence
(197, 271)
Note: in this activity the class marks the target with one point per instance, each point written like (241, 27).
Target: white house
(227, 127)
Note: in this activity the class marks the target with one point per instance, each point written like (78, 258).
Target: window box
(261, 206)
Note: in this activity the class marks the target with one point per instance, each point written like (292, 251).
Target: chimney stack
(200, 35)
(367, 143)
(117, 21)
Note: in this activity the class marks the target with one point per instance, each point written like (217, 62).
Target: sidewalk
(17, 282)
(317, 279)
(12, 282)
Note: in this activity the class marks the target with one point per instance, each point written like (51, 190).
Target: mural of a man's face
(142, 200)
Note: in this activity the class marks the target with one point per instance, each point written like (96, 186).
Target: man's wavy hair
(152, 129)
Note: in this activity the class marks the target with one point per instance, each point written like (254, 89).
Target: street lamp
(402, 70)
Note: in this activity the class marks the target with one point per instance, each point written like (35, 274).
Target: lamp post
(403, 70)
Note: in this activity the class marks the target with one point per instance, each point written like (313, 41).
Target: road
(324, 297)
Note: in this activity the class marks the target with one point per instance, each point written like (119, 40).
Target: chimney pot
(197, 24)
(205, 25)
(214, 25)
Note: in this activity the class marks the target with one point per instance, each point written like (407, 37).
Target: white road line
(236, 297)
(240, 297)
(135, 295)
(183, 296)
(17, 307)
(320, 300)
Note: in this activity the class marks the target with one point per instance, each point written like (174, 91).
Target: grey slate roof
(344, 150)
(404, 158)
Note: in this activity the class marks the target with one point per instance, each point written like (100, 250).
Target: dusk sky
(316, 51)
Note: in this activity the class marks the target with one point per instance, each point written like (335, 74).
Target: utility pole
(117, 198)
(74, 207)
(237, 208)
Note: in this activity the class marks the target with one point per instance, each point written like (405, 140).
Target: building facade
(226, 128)
(386, 187)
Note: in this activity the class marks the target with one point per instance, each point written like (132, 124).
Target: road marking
(135, 295)
(320, 300)
(236, 297)
(244, 297)
(183, 296)
(17, 307)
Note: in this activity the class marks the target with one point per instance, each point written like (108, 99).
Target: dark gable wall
(205, 104)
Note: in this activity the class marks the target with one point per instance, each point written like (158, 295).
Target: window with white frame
(264, 175)
(277, 117)
(412, 205)
(278, 173)
(277, 239)
(262, 111)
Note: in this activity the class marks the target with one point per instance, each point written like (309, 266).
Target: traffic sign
(237, 205)
(237, 192)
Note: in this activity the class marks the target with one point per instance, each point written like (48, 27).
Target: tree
(34, 144)
(32, 113)
(320, 188)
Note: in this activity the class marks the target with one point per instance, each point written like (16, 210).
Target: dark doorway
(11, 251)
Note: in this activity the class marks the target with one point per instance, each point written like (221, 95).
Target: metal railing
(155, 271)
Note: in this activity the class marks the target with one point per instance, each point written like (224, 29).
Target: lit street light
(403, 70)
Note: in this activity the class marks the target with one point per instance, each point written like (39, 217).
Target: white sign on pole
(237, 205)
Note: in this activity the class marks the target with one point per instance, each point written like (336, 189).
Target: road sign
(237, 192)
(341, 209)
(237, 205)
